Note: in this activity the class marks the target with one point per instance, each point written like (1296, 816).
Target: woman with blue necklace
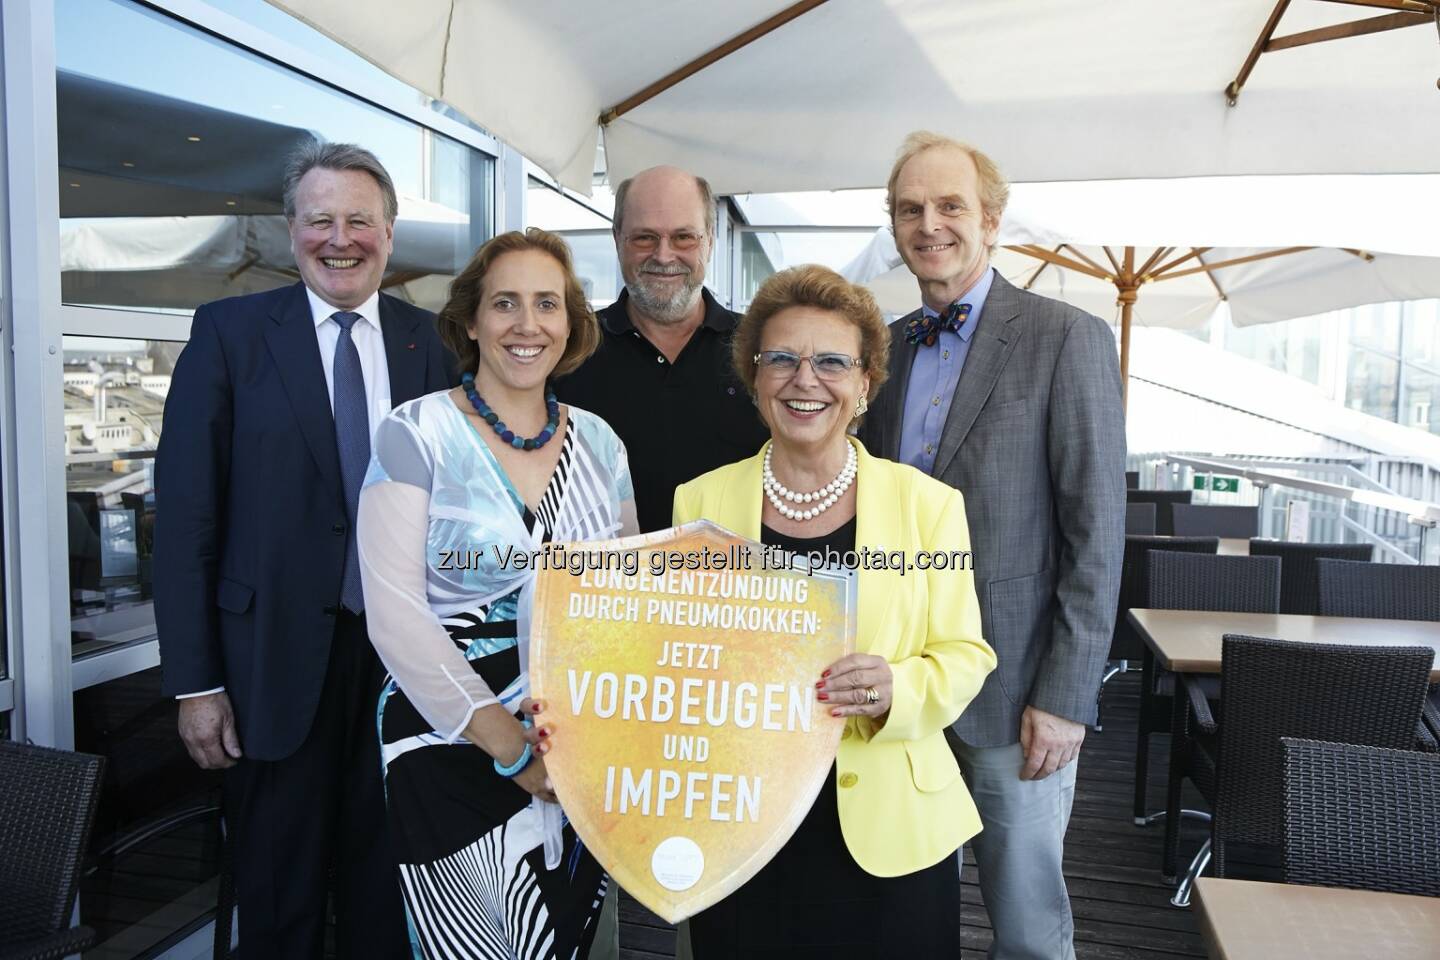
(456, 478)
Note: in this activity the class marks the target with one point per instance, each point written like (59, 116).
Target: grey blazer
(1035, 440)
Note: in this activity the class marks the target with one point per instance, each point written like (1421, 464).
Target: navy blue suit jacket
(250, 519)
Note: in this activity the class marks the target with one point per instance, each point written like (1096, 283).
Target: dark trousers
(319, 810)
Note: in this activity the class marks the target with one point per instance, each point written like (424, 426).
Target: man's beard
(661, 301)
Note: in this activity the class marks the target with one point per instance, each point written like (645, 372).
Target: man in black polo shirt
(662, 376)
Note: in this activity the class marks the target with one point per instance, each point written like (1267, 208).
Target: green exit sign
(1204, 481)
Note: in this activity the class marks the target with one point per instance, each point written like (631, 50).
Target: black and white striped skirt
(470, 849)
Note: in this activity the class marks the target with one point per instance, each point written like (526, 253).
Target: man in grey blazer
(1015, 400)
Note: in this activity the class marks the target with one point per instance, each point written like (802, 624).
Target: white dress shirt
(370, 343)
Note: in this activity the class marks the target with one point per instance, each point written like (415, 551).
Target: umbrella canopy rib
(1414, 6)
(1214, 282)
(1340, 31)
(1194, 253)
(1079, 254)
(1239, 260)
(706, 59)
(1238, 84)
(1154, 257)
(1409, 13)
(1040, 269)
(1040, 253)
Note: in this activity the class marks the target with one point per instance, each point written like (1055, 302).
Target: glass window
(171, 146)
(4, 613)
(1377, 326)
(1422, 334)
(114, 408)
(1422, 400)
(1290, 346)
(1261, 342)
(153, 865)
(588, 234)
(763, 253)
(1373, 384)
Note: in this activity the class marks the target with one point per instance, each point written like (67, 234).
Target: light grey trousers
(1019, 851)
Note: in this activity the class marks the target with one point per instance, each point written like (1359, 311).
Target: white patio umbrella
(768, 95)
(1180, 287)
(1267, 248)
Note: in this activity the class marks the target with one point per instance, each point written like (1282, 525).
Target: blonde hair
(820, 287)
(994, 188)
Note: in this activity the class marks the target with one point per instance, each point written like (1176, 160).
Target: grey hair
(707, 202)
(313, 154)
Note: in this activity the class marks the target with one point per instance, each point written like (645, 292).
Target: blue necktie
(352, 437)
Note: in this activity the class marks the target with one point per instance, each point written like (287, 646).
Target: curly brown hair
(812, 285)
(468, 289)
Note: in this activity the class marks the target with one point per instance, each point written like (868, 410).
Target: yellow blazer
(903, 805)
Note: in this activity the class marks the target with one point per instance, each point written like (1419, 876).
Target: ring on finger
(872, 695)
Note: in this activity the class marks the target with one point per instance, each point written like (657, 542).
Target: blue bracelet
(520, 763)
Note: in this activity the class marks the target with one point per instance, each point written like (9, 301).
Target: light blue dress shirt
(934, 374)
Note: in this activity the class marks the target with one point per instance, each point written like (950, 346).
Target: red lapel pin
(409, 346)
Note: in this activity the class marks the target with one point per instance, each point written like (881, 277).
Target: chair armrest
(1430, 716)
(57, 946)
(1427, 731)
(1199, 705)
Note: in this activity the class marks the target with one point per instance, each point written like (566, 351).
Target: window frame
(42, 675)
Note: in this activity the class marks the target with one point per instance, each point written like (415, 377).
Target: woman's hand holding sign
(858, 685)
(533, 778)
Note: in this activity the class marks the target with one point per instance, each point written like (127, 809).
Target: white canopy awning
(1053, 89)
(1277, 288)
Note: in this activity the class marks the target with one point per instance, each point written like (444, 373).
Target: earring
(861, 406)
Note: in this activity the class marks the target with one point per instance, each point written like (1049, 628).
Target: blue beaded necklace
(552, 406)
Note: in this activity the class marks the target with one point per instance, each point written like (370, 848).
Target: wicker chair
(1299, 580)
(1163, 500)
(1362, 817)
(1140, 519)
(47, 805)
(1273, 689)
(1384, 591)
(1204, 520)
(1192, 581)
(1126, 645)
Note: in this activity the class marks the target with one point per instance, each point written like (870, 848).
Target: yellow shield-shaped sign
(678, 670)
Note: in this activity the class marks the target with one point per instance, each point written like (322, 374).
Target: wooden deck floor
(1121, 908)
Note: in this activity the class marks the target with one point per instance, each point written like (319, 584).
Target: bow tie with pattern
(926, 329)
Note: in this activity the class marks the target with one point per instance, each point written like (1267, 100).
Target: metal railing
(1366, 509)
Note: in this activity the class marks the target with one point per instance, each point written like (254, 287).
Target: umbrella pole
(1129, 287)
(1126, 300)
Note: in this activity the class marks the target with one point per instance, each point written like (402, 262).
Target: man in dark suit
(257, 588)
(1014, 400)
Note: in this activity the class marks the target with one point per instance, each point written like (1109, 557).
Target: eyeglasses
(827, 366)
(646, 242)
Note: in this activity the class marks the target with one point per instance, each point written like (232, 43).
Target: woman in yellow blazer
(873, 866)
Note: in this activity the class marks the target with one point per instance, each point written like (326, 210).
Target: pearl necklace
(826, 497)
